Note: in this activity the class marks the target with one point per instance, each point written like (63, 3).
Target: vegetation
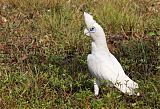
(43, 53)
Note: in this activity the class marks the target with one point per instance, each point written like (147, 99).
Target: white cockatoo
(102, 64)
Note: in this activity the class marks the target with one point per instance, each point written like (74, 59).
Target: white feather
(102, 64)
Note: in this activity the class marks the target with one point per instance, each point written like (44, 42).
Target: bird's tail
(127, 86)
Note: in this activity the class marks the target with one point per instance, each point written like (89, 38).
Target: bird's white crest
(89, 20)
(102, 64)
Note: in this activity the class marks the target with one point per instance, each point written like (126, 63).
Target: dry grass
(43, 52)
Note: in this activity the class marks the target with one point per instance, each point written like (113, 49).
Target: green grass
(43, 53)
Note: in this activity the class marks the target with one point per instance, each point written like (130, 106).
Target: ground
(43, 53)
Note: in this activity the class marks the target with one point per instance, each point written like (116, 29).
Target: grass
(43, 53)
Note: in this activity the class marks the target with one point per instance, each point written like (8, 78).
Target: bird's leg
(96, 87)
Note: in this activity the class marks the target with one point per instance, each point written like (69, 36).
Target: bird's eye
(93, 29)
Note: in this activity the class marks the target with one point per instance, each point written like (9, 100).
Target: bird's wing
(108, 68)
(101, 68)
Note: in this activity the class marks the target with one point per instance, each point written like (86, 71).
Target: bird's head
(94, 30)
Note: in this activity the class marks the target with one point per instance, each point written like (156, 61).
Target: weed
(43, 53)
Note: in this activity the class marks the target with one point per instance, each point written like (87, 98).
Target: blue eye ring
(92, 30)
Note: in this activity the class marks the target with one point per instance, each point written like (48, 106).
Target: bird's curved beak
(86, 32)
